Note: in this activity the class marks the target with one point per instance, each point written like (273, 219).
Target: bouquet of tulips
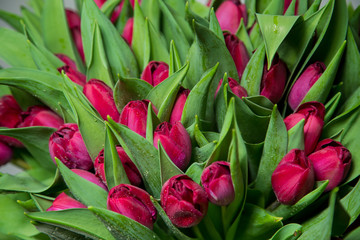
(179, 119)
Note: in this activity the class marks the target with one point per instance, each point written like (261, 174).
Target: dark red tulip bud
(179, 104)
(235, 88)
(6, 153)
(331, 161)
(303, 84)
(101, 97)
(40, 116)
(313, 113)
(132, 202)
(176, 142)
(274, 80)
(90, 177)
(229, 15)
(287, 4)
(73, 20)
(238, 52)
(217, 182)
(71, 71)
(184, 201)
(155, 72)
(131, 170)
(68, 146)
(293, 178)
(9, 112)
(128, 31)
(63, 202)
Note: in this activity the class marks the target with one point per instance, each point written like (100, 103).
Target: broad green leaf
(275, 148)
(296, 136)
(12, 19)
(78, 221)
(41, 61)
(37, 6)
(353, 235)
(195, 170)
(57, 232)
(215, 26)
(243, 35)
(331, 106)
(175, 62)
(260, 105)
(122, 227)
(288, 232)
(275, 7)
(158, 49)
(32, 24)
(143, 154)
(152, 10)
(108, 7)
(85, 191)
(167, 167)
(42, 202)
(199, 136)
(351, 203)
(152, 121)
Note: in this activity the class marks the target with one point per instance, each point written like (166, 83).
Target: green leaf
(122, 227)
(12, 19)
(296, 136)
(42, 202)
(167, 167)
(195, 170)
(199, 136)
(32, 26)
(85, 191)
(275, 7)
(353, 235)
(42, 62)
(77, 221)
(215, 26)
(158, 48)
(143, 154)
(37, 6)
(288, 232)
(275, 148)
(351, 203)
(243, 35)
(57, 232)
(152, 121)
(108, 7)
(175, 62)
(331, 106)
(260, 105)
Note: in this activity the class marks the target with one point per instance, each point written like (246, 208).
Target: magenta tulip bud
(313, 113)
(68, 146)
(128, 31)
(274, 80)
(134, 115)
(90, 177)
(40, 116)
(6, 153)
(184, 201)
(331, 161)
(235, 88)
(238, 52)
(303, 84)
(73, 20)
(63, 202)
(293, 178)
(287, 4)
(217, 182)
(9, 112)
(155, 72)
(132, 202)
(176, 142)
(131, 170)
(71, 71)
(101, 97)
(178, 108)
(229, 15)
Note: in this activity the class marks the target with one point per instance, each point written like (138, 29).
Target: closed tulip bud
(287, 4)
(178, 108)
(63, 202)
(235, 87)
(71, 71)
(40, 116)
(9, 112)
(131, 170)
(303, 84)
(229, 15)
(293, 178)
(101, 97)
(132, 202)
(155, 72)
(238, 52)
(184, 201)
(68, 146)
(128, 30)
(6, 153)
(73, 20)
(176, 142)
(313, 113)
(274, 80)
(134, 115)
(90, 177)
(217, 182)
(331, 161)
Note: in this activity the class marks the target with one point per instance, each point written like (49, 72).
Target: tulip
(217, 182)
(235, 88)
(134, 115)
(179, 104)
(184, 201)
(293, 178)
(274, 80)
(9, 112)
(287, 4)
(155, 72)
(176, 142)
(90, 177)
(128, 31)
(68, 146)
(63, 202)
(304, 83)
(101, 97)
(73, 20)
(117, 10)
(132, 202)
(331, 161)
(71, 71)
(131, 170)
(313, 113)
(6, 153)
(229, 15)
(238, 52)
(40, 116)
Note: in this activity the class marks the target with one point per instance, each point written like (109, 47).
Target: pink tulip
(179, 104)
(63, 202)
(155, 72)
(9, 112)
(128, 31)
(235, 87)
(229, 15)
(90, 177)
(73, 20)
(40, 116)
(6, 153)
(71, 71)
(238, 52)
(287, 4)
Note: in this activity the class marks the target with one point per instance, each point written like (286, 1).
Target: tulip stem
(223, 217)
(273, 206)
(198, 232)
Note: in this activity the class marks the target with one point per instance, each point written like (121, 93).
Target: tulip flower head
(90, 177)
(132, 202)
(179, 104)
(184, 201)
(331, 161)
(155, 72)
(235, 87)
(6, 153)
(287, 4)
(229, 15)
(74, 20)
(128, 31)
(71, 71)
(40, 116)
(63, 202)
(293, 178)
